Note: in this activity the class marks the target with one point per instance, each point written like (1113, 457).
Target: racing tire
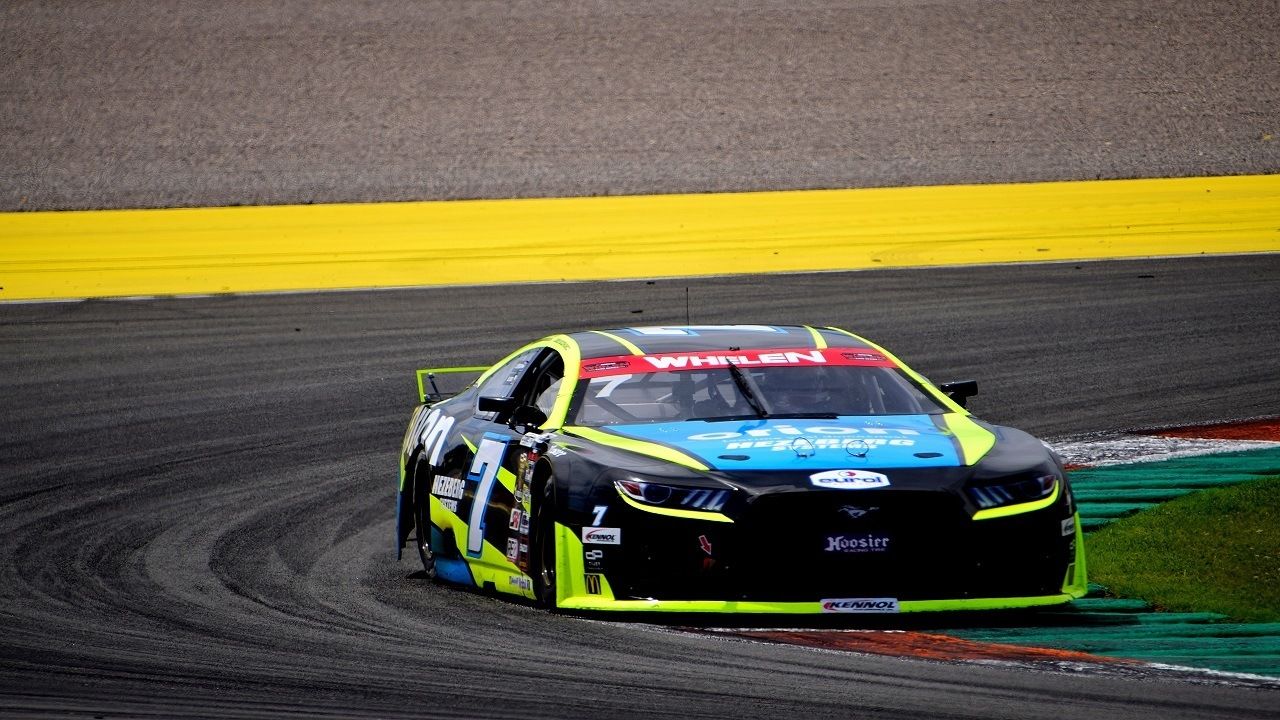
(422, 525)
(543, 542)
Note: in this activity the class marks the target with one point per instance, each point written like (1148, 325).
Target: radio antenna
(687, 320)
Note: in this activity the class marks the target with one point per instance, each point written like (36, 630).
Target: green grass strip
(1216, 550)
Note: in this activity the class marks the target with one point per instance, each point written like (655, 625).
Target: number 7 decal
(484, 470)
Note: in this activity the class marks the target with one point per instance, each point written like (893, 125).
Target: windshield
(713, 393)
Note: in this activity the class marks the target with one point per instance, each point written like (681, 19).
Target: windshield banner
(701, 360)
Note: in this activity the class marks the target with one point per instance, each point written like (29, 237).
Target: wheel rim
(546, 544)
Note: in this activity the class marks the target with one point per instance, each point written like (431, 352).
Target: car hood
(780, 444)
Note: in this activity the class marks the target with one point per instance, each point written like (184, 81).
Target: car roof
(690, 338)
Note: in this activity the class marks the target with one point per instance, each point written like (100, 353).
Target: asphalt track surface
(195, 501)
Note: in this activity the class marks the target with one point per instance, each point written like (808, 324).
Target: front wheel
(543, 526)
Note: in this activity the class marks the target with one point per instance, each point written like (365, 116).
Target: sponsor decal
(556, 451)
(519, 581)
(1069, 527)
(593, 560)
(513, 549)
(606, 366)
(601, 536)
(676, 362)
(867, 543)
(780, 437)
(524, 523)
(860, 605)
(448, 490)
(781, 429)
(450, 487)
(849, 479)
(854, 512)
(593, 584)
(718, 358)
(514, 522)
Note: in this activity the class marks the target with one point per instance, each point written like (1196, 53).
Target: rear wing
(429, 392)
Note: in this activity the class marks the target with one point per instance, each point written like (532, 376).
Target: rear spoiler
(434, 395)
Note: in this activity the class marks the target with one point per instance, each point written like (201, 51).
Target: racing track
(197, 501)
(195, 494)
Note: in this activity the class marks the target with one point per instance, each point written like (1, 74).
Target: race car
(731, 469)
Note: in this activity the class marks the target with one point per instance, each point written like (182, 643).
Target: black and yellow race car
(735, 469)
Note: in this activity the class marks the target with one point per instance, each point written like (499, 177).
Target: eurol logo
(860, 605)
(849, 479)
(601, 536)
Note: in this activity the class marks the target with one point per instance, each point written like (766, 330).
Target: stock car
(731, 469)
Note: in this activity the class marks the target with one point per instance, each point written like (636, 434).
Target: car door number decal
(484, 471)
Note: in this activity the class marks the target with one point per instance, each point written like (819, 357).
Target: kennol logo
(601, 536)
(861, 605)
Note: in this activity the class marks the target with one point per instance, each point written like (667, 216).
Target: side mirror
(960, 391)
(526, 418)
(500, 405)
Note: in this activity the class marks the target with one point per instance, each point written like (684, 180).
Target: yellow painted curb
(53, 255)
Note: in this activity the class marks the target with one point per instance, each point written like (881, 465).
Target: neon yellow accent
(571, 352)
(601, 602)
(422, 391)
(937, 394)
(642, 447)
(818, 341)
(975, 440)
(672, 512)
(1007, 510)
(106, 253)
(571, 581)
(630, 346)
(492, 565)
(1077, 585)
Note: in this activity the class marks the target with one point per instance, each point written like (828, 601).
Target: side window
(543, 382)
(503, 382)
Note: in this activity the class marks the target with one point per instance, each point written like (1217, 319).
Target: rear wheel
(543, 527)
(422, 526)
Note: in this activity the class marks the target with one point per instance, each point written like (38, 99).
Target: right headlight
(1013, 496)
(673, 497)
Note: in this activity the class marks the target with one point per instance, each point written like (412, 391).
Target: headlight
(1014, 496)
(672, 497)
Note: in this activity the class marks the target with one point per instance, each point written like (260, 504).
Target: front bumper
(775, 561)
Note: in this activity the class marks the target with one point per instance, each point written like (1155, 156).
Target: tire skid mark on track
(197, 557)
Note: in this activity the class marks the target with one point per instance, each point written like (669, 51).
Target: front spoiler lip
(810, 607)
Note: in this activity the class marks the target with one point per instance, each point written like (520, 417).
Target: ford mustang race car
(743, 468)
